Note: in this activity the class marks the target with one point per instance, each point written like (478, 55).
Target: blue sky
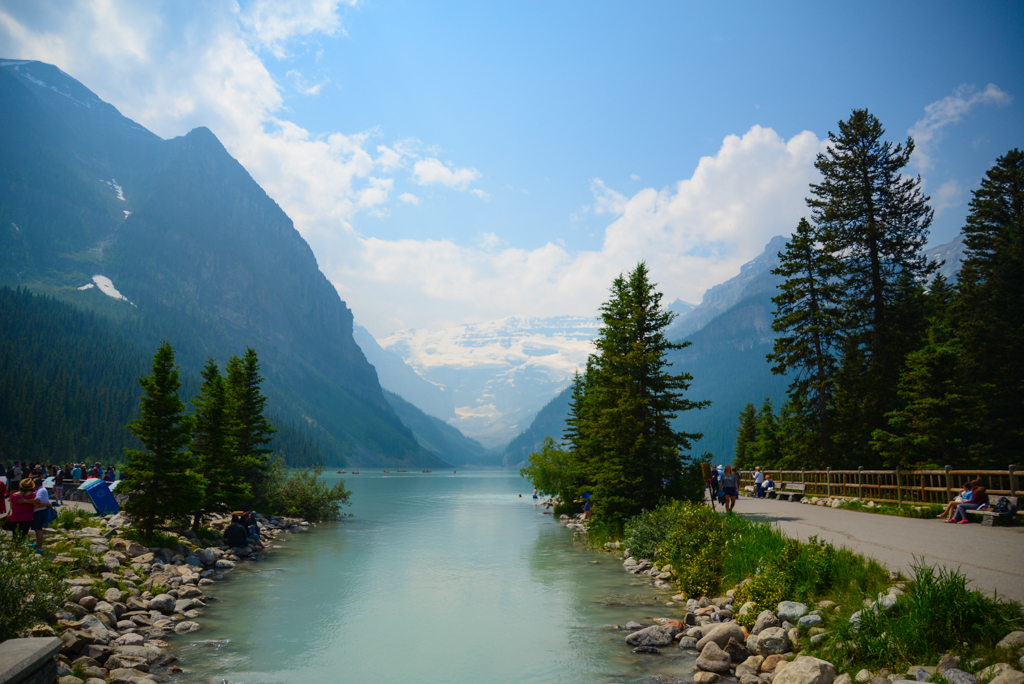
(458, 162)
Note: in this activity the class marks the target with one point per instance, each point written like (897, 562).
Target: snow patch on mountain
(106, 286)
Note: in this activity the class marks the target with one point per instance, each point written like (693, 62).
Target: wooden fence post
(828, 482)
(860, 482)
(899, 489)
(949, 484)
(1014, 480)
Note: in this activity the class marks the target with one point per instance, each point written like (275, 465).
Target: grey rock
(946, 662)
(1011, 640)
(688, 643)
(806, 670)
(720, 634)
(633, 625)
(666, 679)
(189, 592)
(182, 605)
(224, 564)
(736, 650)
(186, 626)
(655, 635)
(752, 643)
(652, 650)
(97, 629)
(794, 638)
(886, 604)
(772, 641)
(162, 602)
(808, 621)
(842, 679)
(791, 611)
(714, 659)
(1008, 676)
(705, 677)
(695, 632)
(956, 676)
(818, 638)
(765, 620)
(112, 595)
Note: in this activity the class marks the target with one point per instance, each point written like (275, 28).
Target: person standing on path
(42, 511)
(730, 487)
(758, 481)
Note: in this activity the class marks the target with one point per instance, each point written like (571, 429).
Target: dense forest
(69, 379)
(889, 364)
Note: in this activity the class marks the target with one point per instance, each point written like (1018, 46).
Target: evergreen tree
(746, 435)
(250, 432)
(765, 450)
(937, 423)
(809, 316)
(160, 481)
(634, 457)
(990, 306)
(216, 462)
(876, 221)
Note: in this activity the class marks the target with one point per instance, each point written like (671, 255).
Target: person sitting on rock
(234, 535)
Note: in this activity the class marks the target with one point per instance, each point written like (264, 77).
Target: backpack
(1004, 506)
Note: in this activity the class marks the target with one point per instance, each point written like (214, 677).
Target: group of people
(724, 485)
(243, 530)
(25, 507)
(973, 496)
(25, 499)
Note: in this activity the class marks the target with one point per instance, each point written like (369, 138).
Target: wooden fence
(896, 486)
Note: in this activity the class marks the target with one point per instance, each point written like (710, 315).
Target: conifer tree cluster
(209, 461)
(619, 444)
(889, 364)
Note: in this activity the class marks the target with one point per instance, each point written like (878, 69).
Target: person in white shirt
(758, 481)
(43, 505)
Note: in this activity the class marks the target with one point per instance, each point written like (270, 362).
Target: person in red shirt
(22, 508)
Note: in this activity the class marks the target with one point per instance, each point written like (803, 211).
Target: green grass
(939, 613)
(907, 510)
(72, 518)
(159, 539)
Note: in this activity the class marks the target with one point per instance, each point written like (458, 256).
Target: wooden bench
(791, 491)
(989, 518)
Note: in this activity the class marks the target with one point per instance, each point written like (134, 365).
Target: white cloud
(486, 197)
(693, 235)
(949, 195)
(433, 171)
(409, 198)
(928, 132)
(304, 86)
(273, 23)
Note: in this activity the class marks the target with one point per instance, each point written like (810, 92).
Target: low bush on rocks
(32, 587)
(938, 613)
(303, 494)
(159, 539)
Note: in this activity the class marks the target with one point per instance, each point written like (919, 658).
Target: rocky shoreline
(768, 653)
(119, 614)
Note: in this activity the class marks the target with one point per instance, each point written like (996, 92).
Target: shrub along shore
(113, 602)
(755, 605)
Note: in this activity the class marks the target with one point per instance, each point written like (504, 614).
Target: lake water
(438, 578)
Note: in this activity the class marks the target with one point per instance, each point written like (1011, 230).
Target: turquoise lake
(438, 577)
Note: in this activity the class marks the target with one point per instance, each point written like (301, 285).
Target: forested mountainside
(177, 235)
(440, 438)
(69, 379)
(549, 422)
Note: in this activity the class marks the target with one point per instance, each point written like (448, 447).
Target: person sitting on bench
(963, 497)
(979, 498)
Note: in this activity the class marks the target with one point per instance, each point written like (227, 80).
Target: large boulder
(1008, 676)
(162, 602)
(791, 611)
(1010, 640)
(806, 670)
(957, 676)
(736, 650)
(765, 620)
(186, 626)
(655, 635)
(720, 634)
(772, 641)
(714, 659)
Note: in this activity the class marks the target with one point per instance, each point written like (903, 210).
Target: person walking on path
(979, 498)
(730, 487)
(58, 486)
(759, 481)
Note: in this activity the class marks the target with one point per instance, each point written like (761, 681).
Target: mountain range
(103, 214)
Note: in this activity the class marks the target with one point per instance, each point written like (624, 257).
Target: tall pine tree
(876, 220)
(809, 317)
(250, 432)
(990, 306)
(160, 481)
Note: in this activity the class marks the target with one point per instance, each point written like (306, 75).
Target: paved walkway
(991, 557)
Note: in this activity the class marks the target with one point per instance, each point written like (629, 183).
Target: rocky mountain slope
(102, 213)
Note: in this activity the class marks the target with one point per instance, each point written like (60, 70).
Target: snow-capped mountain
(500, 373)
